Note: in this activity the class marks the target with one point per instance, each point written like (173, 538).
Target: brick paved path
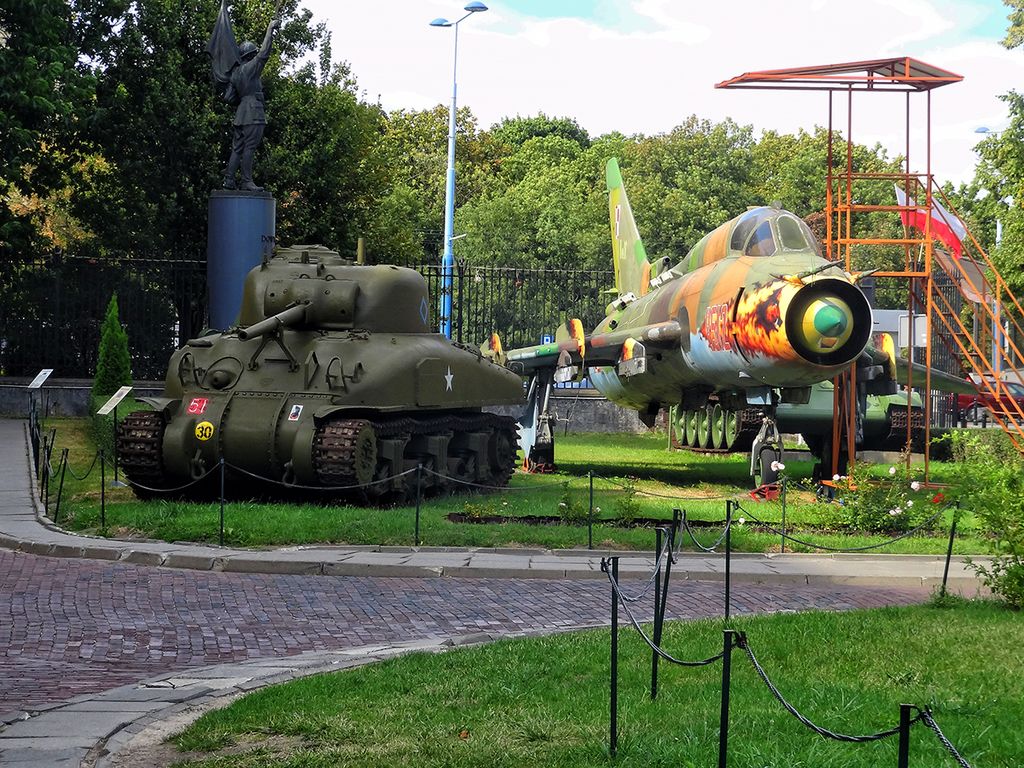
(76, 626)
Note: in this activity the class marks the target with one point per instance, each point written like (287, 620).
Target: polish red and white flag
(946, 228)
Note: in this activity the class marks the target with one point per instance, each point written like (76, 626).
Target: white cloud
(650, 80)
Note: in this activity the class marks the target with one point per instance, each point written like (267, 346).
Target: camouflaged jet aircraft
(751, 317)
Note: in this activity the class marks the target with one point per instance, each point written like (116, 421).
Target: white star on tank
(448, 379)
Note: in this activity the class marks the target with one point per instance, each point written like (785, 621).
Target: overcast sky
(643, 66)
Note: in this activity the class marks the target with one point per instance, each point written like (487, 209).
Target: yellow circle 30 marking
(204, 430)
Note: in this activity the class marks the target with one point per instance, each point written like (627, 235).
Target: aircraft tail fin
(632, 270)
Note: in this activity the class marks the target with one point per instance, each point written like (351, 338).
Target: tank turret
(331, 377)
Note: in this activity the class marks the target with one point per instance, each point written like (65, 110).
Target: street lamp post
(448, 259)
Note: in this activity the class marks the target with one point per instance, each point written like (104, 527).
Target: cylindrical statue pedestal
(242, 228)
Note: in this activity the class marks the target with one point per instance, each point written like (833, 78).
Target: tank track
(139, 445)
(749, 425)
(341, 455)
(345, 451)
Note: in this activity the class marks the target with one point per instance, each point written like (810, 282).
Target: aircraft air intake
(829, 322)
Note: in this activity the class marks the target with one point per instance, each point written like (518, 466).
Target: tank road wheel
(703, 428)
(691, 429)
(345, 452)
(140, 439)
(717, 426)
(763, 472)
(678, 427)
(732, 430)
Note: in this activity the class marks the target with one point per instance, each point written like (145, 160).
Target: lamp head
(475, 7)
(983, 129)
(440, 23)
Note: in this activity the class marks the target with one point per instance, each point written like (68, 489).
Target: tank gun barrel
(287, 317)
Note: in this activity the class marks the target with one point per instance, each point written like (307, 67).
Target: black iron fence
(54, 305)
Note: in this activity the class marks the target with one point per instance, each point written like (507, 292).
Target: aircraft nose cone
(826, 324)
(830, 320)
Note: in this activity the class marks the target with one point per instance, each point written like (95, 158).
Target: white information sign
(115, 398)
(42, 376)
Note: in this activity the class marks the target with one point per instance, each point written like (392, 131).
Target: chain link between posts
(786, 536)
(650, 643)
(745, 646)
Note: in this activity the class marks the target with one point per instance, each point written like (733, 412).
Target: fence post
(41, 464)
(60, 487)
(590, 515)
(613, 736)
(221, 538)
(903, 751)
(729, 640)
(419, 500)
(115, 450)
(949, 549)
(728, 555)
(658, 533)
(103, 491)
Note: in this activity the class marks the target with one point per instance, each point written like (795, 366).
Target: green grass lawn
(697, 483)
(544, 702)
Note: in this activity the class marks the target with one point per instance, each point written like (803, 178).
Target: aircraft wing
(899, 368)
(573, 349)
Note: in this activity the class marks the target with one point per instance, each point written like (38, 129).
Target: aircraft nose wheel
(763, 472)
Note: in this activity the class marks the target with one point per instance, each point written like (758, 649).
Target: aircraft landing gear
(766, 453)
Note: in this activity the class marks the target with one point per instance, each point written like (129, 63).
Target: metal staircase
(973, 318)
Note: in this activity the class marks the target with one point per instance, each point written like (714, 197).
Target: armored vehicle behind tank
(331, 379)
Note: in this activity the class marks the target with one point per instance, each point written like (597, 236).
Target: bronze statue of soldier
(238, 69)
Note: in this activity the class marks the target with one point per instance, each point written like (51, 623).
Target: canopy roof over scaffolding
(901, 73)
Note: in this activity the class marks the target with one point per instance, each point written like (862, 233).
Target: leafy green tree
(39, 91)
(516, 131)
(113, 364)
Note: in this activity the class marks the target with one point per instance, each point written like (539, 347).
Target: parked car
(998, 397)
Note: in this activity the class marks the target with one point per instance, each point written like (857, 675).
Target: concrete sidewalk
(24, 529)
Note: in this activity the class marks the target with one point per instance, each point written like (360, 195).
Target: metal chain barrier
(713, 547)
(317, 487)
(493, 487)
(911, 532)
(88, 471)
(927, 719)
(650, 643)
(650, 579)
(668, 496)
(742, 643)
(175, 489)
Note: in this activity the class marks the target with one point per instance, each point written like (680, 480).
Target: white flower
(504, 503)
(915, 486)
(892, 470)
(597, 509)
(778, 466)
(842, 477)
(909, 503)
(835, 478)
(743, 520)
(561, 503)
(894, 512)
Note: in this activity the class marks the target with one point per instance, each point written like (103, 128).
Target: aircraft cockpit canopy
(768, 231)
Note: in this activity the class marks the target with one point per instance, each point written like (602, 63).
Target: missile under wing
(753, 315)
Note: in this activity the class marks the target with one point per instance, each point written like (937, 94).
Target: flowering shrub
(992, 486)
(890, 505)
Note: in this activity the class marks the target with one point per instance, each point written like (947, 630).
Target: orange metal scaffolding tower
(844, 239)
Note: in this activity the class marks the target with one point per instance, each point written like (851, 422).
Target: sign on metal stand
(42, 376)
(111, 405)
(114, 400)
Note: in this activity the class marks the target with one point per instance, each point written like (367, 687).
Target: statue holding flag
(237, 70)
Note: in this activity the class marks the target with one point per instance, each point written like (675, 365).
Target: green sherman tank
(331, 379)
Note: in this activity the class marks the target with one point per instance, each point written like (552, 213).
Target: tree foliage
(113, 363)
